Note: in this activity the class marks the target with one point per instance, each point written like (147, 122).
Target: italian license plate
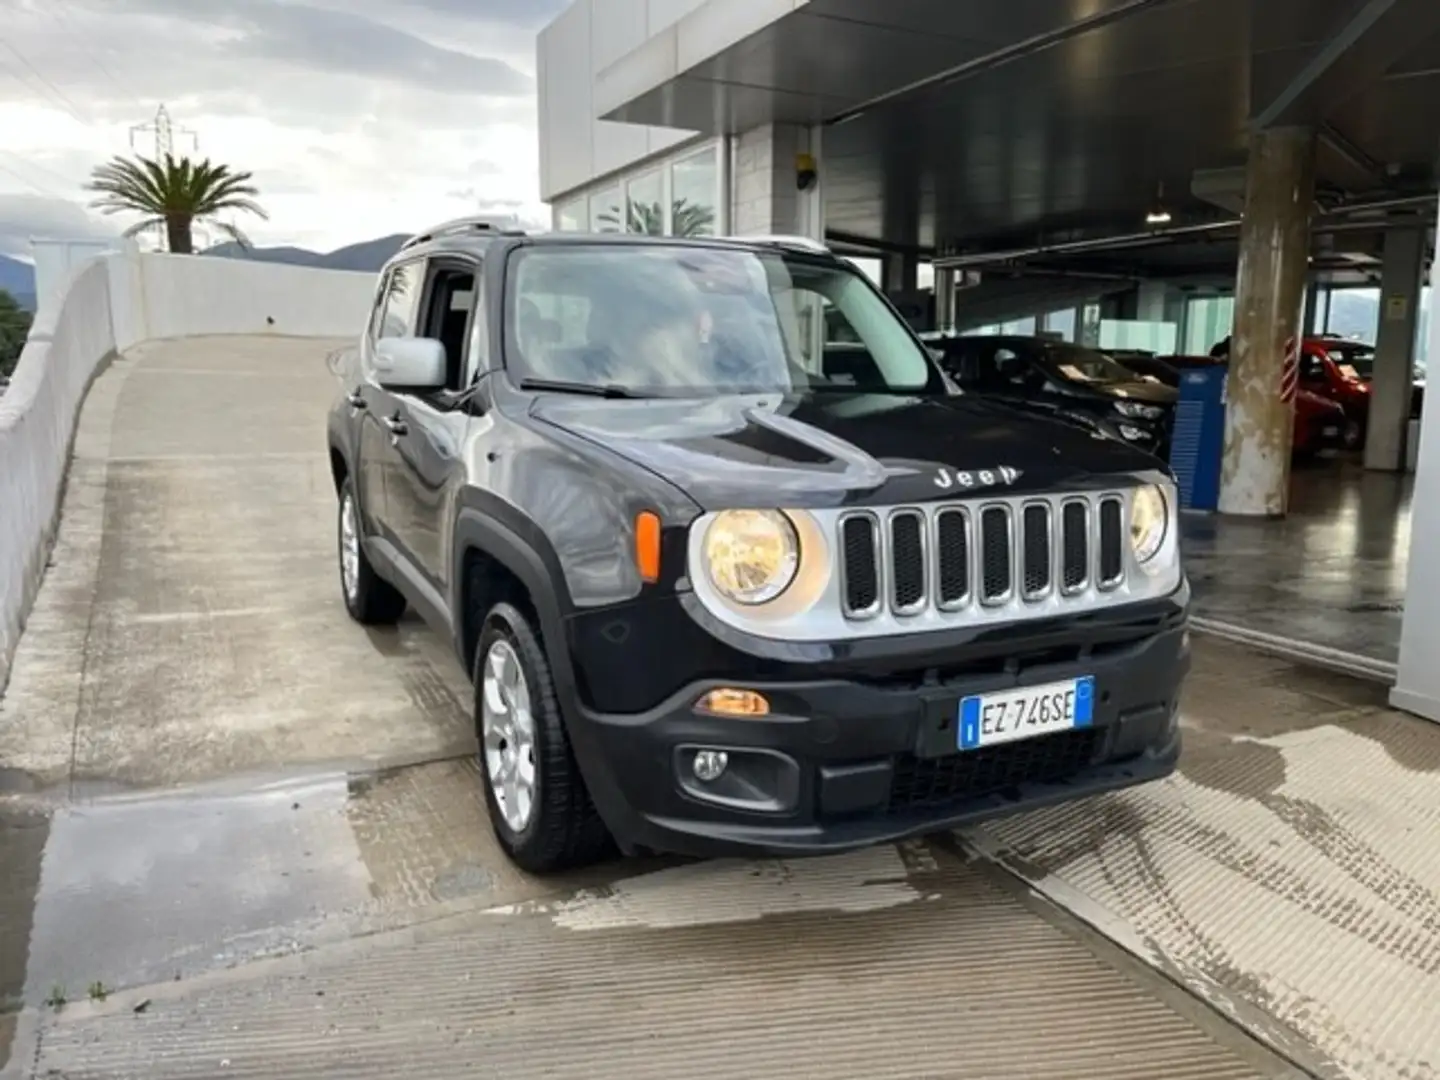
(1008, 715)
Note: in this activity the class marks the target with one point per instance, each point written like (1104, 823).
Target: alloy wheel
(508, 734)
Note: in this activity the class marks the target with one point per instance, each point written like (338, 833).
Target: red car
(1323, 371)
(1320, 422)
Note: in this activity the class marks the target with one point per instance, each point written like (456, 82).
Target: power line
(63, 21)
(56, 94)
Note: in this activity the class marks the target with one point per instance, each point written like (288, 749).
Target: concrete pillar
(1401, 274)
(765, 197)
(1417, 680)
(944, 300)
(1269, 291)
(1150, 301)
(899, 274)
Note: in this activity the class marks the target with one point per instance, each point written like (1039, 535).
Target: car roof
(477, 236)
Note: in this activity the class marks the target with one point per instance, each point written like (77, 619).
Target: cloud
(323, 39)
(357, 117)
(25, 216)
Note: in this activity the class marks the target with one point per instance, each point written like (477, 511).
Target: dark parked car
(724, 585)
(1148, 365)
(1068, 379)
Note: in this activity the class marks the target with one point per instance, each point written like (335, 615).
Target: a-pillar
(1401, 269)
(1417, 682)
(1269, 293)
(767, 196)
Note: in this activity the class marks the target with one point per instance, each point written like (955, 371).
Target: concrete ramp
(190, 625)
(883, 963)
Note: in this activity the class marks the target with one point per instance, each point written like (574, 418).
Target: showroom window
(681, 195)
(1208, 319)
(571, 216)
(645, 203)
(695, 194)
(605, 210)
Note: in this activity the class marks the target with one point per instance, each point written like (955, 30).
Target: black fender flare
(536, 569)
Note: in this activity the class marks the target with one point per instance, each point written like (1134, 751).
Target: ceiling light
(1158, 215)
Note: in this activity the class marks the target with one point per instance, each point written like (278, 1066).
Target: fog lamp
(709, 765)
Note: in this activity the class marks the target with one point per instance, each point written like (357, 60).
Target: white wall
(1417, 678)
(56, 258)
(586, 38)
(109, 304)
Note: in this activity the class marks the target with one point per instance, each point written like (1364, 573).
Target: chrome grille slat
(1027, 553)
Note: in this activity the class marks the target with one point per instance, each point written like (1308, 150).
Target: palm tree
(687, 219)
(173, 194)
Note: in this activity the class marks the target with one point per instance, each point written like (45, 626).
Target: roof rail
(481, 223)
(801, 243)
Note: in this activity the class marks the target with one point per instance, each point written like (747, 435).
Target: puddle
(23, 832)
(131, 889)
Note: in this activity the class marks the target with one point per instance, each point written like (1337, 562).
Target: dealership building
(1139, 174)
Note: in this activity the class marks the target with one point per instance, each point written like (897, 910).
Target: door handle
(356, 400)
(396, 426)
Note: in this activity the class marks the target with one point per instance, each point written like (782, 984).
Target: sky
(358, 118)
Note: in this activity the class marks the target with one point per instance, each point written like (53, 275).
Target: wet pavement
(1287, 873)
(241, 836)
(190, 626)
(1331, 573)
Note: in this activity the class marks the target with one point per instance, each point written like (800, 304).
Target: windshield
(1359, 359)
(1078, 364)
(689, 319)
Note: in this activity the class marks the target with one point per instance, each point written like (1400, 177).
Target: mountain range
(367, 256)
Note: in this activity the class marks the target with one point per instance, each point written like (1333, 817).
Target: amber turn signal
(647, 546)
(727, 701)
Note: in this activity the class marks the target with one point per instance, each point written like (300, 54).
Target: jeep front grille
(996, 554)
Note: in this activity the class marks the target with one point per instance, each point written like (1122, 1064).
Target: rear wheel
(369, 598)
(539, 807)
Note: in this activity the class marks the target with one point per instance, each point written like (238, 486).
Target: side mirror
(410, 363)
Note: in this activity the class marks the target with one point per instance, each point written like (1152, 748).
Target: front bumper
(841, 763)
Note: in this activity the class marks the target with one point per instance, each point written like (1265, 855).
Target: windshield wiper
(561, 386)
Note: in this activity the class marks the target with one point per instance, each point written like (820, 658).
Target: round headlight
(751, 555)
(1148, 522)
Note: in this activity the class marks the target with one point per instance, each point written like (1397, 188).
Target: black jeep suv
(731, 579)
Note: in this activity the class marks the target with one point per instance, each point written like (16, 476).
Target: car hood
(832, 450)
(1142, 390)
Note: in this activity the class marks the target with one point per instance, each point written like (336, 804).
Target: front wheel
(539, 807)
(1354, 435)
(369, 598)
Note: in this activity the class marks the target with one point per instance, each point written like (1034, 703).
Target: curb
(1348, 663)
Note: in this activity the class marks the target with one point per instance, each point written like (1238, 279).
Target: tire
(559, 828)
(369, 598)
(1353, 437)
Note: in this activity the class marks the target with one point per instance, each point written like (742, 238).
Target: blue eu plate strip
(970, 708)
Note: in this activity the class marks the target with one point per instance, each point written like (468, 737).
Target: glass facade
(681, 194)
(645, 204)
(1208, 320)
(1060, 323)
(695, 194)
(605, 210)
